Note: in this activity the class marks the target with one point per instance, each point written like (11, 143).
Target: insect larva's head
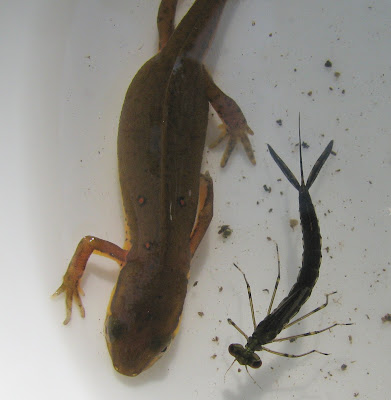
(244, 356)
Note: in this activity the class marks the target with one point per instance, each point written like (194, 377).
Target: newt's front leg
(71, 281)
(234, 125)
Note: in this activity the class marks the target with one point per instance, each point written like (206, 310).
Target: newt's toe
(234, 135)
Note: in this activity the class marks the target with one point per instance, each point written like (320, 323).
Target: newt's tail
(315, 169)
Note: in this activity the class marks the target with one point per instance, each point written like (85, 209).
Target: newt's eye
(115, 328)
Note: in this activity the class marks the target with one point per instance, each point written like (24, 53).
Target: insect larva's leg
(165, 21)
(236, 327)
(277, 282)
(311, 312)
(308, 333)
(204, 212)
(71, 280)
(234, 127)
(277, 353)
(250, 298)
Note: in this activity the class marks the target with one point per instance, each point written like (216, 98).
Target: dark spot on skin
(181, 201)
(115, 328)
(148, 245)
(141, 200)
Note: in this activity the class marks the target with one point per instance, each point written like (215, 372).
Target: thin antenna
(301, 160)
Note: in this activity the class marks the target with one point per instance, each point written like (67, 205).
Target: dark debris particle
(220, 289)
(386, 318)
(343, 367)
(195, 283)
(267, 188)
(225, 231)
(309, 93)
(305, 145)
(350, 337)
(215, 339)
(328, 64)
(270, 210)
(333, 153)
(213, 357)
(201, 314)
(279, 122)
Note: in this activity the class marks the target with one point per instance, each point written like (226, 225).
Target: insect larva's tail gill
(319, 164)
(287, 172)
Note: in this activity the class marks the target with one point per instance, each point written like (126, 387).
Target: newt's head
(142, 318)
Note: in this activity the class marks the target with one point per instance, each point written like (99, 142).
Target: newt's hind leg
(205, 212)
(165, 21)
(234, 125)
(71, 280)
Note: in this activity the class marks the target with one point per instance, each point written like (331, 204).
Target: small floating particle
(293, 223)
(386, 318)
(328, 64)
(267, 188)
(201, 314)
(279, 122)
(225, 231)
(343, 367)
(195, 283)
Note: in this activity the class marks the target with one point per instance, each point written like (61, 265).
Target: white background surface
(65, 67)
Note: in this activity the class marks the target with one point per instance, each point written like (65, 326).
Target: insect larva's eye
(256, 363)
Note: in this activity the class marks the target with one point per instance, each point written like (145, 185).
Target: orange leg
(165, 21)
(205, 212)
(234, 125)
(71, 281)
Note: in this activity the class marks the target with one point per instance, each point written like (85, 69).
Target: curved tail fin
(315, 169)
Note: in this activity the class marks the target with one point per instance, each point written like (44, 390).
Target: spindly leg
(277, 281)
(277, 353)
(311, 312)
(205, 212)
(165, 21)
(234, 126)
(250, 299)
(71, 280)
(308, 333)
